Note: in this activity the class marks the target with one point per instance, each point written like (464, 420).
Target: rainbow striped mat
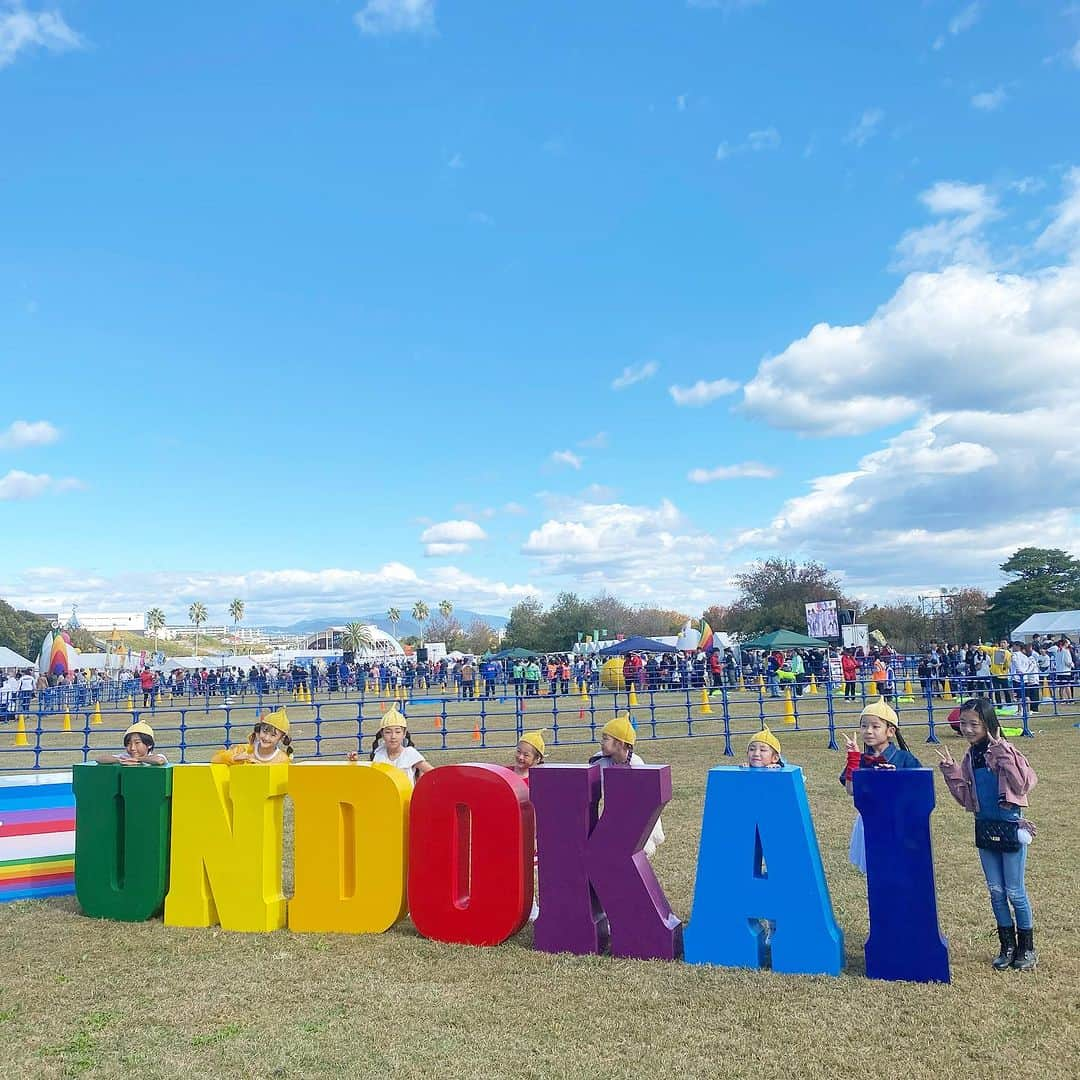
(37, 836)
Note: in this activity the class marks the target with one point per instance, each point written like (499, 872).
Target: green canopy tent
(784, 639)
(514, 654)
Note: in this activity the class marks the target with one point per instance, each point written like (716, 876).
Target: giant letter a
(759, 860)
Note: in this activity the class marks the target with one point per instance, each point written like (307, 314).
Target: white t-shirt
(406, 761)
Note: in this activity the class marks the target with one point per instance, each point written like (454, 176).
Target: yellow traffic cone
(584, 690)
(812, 689)
(908, 689)
(1045, 689)
(130, 706)
(706, 708)
(789, 707)
(67, 718)
(20, 733)
(946, 691)
(761, 684)
(742, 681)
(633, 696)
(97, 713)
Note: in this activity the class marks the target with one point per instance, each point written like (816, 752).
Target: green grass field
(103, 999)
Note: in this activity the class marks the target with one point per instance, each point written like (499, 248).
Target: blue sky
(339, 305)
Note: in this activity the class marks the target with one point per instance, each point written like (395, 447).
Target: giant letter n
(596, 882)
(759, 860)
(227, 837)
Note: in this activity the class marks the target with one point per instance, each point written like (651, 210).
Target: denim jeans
(1004, 872)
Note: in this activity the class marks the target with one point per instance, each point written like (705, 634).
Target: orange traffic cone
(476, 732)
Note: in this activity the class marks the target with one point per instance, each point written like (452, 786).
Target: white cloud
(965, 19)
(702, 392)
(273, 597)
(865, 128)
(514, 508)
(566, 457)
(643, 552)
(989, 100)
(1028, 185)
(435, 549)
(23, 485)
(22, 30)
(965, 210)
(766, 139)
(595, 442)
(1063, 233)
(635, 373)
(986, 367)
(756, 141)
(451, 537)
(744, 470)
(22, 433)
(396, 17)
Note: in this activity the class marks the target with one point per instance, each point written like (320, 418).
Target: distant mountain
(404, 628)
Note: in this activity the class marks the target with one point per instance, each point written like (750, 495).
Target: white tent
(1053, 624)
(11, 659)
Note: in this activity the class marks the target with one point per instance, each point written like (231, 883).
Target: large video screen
(821, 619)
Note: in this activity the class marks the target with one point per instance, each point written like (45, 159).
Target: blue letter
(759, 859)
(905, 941)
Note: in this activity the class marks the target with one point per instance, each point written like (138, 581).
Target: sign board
(822, 620)
(857, 636)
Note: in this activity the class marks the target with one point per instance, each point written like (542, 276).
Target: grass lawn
(106, 999)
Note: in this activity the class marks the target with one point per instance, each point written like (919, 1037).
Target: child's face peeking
(875, 732)
(525, 755)
(393, 737)
(616, 749)
(761, 755)
(135, 746)
(267, 737)
(972, 727)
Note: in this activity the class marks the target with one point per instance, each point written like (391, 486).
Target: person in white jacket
(1025, 672)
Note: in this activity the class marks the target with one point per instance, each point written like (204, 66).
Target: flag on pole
(706, 636)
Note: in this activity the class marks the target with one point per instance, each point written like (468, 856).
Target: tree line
(773, 595)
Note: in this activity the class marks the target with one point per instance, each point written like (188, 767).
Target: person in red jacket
(148, 685)
(850, 668)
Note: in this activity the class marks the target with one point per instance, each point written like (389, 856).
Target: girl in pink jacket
(993, 782)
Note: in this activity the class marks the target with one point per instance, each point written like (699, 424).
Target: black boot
(1026, 957)
(1007, 937)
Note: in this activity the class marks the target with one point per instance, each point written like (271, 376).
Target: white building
(133, 622)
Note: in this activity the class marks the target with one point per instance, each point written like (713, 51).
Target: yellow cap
(882, 712)
(393, 718)
(138, 729)
(278, 719)
(621, 728)
(536, 740)
(767, 737)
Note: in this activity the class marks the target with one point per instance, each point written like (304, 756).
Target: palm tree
(446, 609)
(197, 614)
(236, 610)
(420, 616)
(357, 636)
(155, 623)
(395, 617)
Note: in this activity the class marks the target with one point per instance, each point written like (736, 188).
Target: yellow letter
(227, 834)
(351, 838)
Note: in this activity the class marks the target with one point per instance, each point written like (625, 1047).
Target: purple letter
(595, 880)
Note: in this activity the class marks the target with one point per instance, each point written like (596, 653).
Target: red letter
(471, 844)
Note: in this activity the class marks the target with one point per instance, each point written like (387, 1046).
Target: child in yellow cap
(393, 746)
(138, 748)
(883, 748)
(617, 738)
(764, 751)
(268, 744)
(529, 753)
